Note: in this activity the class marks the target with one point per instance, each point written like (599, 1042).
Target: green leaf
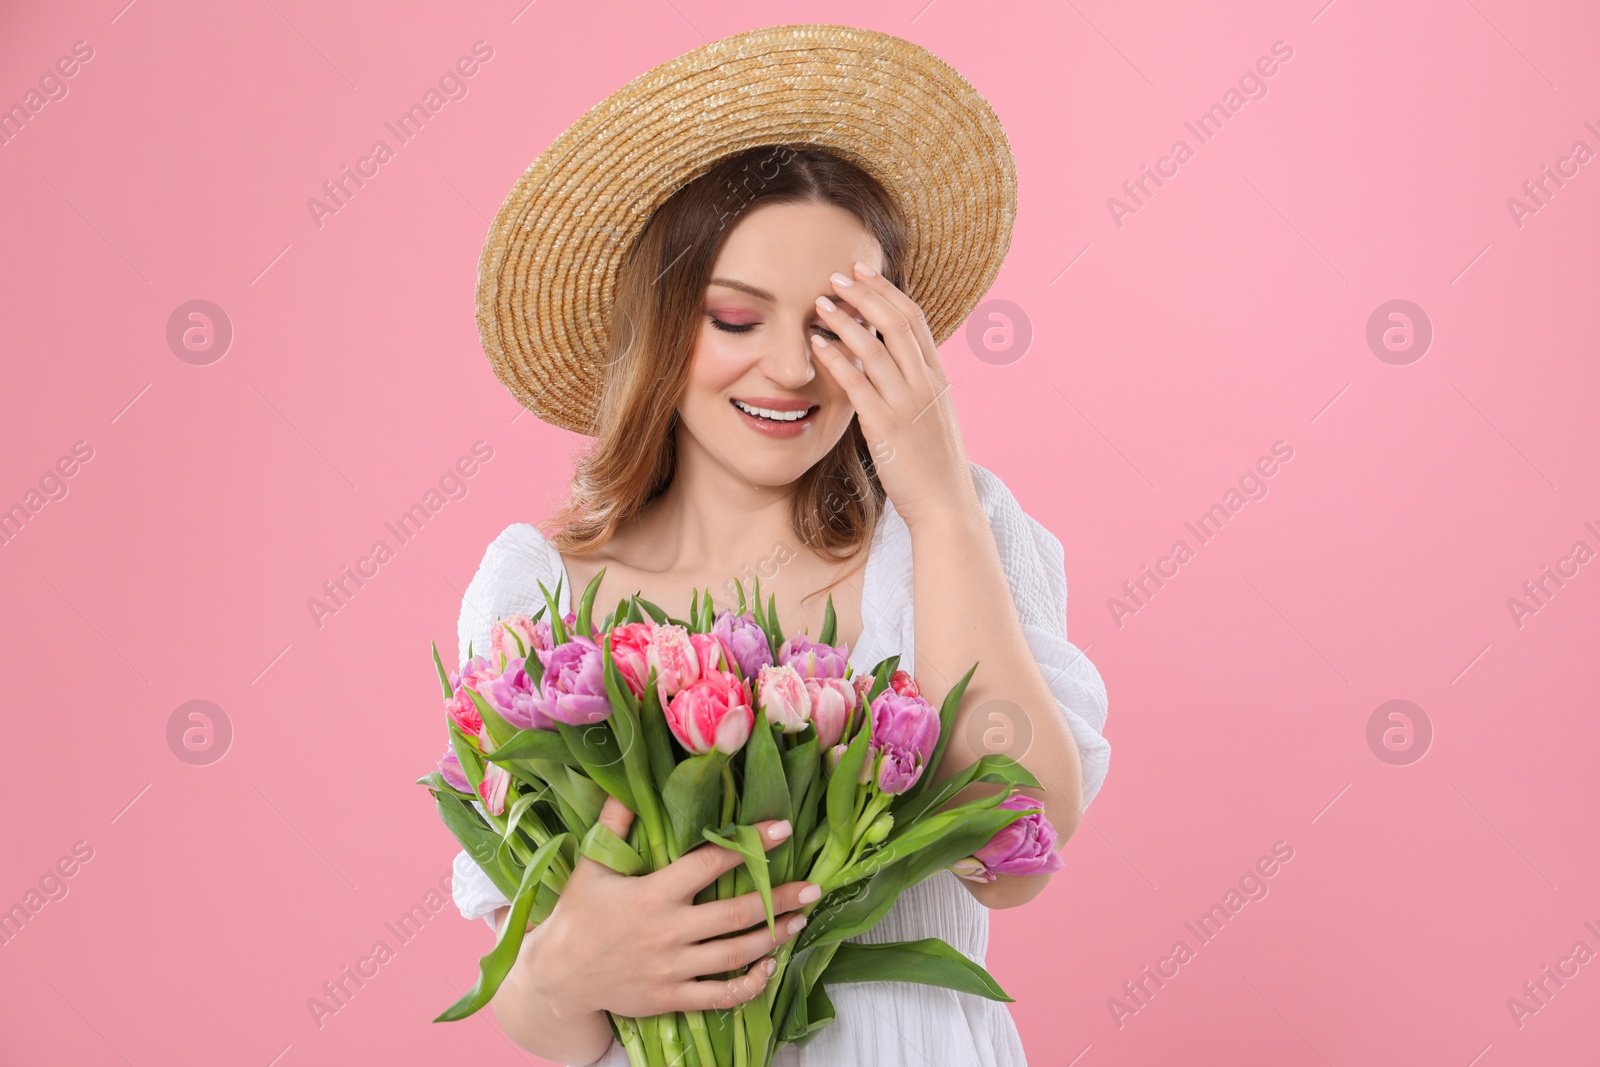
(693, 798)
(656, 614)
(466, 751)
(928, 961)
(947, 726)
(534, 745)
(739, 585)
(881, 675)
(586, 605)
(757, 1028)
(500, 731)
(766, 791)
(657, 735)
(760, 613)
(603, 846)
(558, 627)
(853, 909)
(747, 843)
(962, 841)
(600, 755)
(476, 836)
(819, 1010)
(774, 631)
(842, 789)
(908, 807)
(496, 964)
(829, 623)
(800, 765)
(444, 677)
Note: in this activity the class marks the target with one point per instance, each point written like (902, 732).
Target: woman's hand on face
(637, 945)
(900, 394)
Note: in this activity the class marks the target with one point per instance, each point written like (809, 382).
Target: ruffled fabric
(878, 1024)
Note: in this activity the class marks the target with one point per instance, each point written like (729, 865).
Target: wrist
(543, 974)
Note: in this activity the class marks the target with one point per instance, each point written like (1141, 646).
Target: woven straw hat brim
(548, 271)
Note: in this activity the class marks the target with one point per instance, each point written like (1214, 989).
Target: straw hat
(549, 266)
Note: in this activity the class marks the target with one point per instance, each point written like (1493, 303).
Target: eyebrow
(745, 287)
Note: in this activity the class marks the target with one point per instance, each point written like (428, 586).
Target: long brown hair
(656, 319)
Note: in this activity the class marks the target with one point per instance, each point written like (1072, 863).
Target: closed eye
(746, 327)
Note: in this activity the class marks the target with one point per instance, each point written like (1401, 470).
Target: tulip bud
(781, 693)
(879, 830)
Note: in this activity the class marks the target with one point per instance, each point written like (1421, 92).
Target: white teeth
(767, 413)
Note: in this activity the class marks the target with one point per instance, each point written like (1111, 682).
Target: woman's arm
(534, 1016)
(965, 613)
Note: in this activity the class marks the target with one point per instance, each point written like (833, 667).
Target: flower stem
(628, 1031)
(702, 1037)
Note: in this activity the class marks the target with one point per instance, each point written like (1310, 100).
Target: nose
(787, 361)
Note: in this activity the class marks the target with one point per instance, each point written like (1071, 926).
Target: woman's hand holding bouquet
(576, 751)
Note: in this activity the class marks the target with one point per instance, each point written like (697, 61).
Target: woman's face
(754, 343)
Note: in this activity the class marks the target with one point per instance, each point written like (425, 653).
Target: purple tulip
(450, 769)
(513, 695)
(905, 730)
(751, 649)
(812, 659)
(574, 689)
(1027, 846)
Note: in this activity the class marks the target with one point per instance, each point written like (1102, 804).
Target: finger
(717, 917)
(837, 361)
(616, 817)
(710, 994)
(907, 307)
(735, 953)
(699, 867)
(900, 335)
(881, 366)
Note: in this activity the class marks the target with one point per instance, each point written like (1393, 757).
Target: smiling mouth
(773, 415)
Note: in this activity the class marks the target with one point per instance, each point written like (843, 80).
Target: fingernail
(825, 304)
(780, 830)
(840, 280)
(822, 342)
(797, 924)
(866, 271)
(769, 966)
(810, 893)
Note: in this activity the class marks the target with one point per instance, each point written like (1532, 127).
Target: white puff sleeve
(506, 583)
(1035, 567)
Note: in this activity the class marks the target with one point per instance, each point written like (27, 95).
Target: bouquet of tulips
(703, 727)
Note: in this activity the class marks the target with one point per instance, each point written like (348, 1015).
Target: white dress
(877, 1024)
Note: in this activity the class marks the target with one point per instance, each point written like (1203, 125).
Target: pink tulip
(476, 674)
(672, 655)
(782, 693)
(630, 649)
(711, 713)
(904, 684)
(833, 701)
(712, 653)
(464, 713)
(1027, 846)
(496, 783)
(504, 649)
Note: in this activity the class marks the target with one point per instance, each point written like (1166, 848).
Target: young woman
(772, 402)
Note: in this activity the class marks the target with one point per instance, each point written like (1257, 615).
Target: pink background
(1230, 312)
